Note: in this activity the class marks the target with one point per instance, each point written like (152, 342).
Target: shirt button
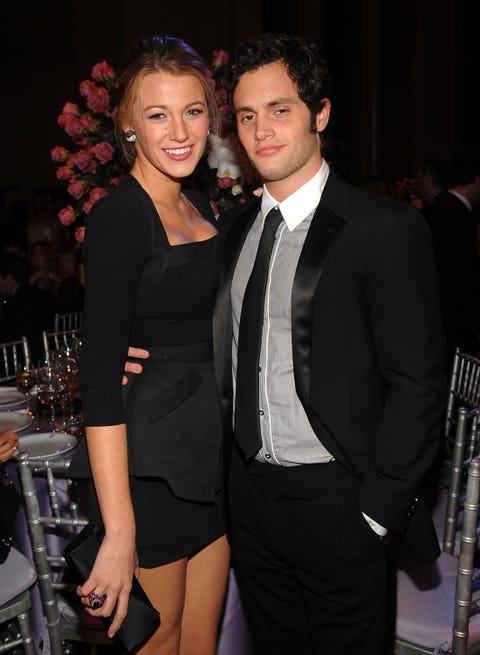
(259, 369)
(268, 456)
(261, 412)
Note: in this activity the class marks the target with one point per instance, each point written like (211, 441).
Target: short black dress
(144, 292)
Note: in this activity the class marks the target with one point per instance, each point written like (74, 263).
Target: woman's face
(171, 122)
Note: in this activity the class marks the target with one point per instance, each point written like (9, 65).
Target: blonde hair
(158, 54)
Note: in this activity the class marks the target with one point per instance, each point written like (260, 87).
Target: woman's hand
(111, 577)
(9, 445)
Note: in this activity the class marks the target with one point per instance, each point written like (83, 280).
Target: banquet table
(233, 635)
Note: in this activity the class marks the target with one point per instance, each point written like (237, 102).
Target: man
(336, 410)
(430, 182)
(349, 391)
(454, 224)
(25, 309)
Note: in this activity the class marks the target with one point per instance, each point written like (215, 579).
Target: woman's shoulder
(127, 207)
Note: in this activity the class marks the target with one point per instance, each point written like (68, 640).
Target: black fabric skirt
(168, 528)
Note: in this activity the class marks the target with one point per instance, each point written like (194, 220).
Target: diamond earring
(130, 136)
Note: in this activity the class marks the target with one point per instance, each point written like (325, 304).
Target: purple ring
(95, 600)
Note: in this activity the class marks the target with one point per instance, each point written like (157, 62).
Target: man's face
(274, 126)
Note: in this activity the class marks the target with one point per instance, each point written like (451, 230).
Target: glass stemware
(25, 380)
(50, 389)
(65, 364)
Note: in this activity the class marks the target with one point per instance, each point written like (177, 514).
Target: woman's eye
(157, 116)
(195, 112)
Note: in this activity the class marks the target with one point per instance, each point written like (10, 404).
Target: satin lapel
(222, 317)
(324, 230)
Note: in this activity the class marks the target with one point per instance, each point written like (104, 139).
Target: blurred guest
(71, 290)
(43, 224)
(430, 182)
(454, 228)
(44, 267)
(25, 309)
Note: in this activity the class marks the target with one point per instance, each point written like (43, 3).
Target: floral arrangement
(404, 190)
(225, 173)
(92, 165)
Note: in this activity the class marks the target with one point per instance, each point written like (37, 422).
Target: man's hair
(301, 57)
(436, 169)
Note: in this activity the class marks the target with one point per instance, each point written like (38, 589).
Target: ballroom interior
(403, 74)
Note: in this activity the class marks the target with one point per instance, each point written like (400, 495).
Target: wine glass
(65, 363)
(50, 389)
(25, 380)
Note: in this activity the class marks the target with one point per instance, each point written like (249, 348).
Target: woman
(44, 267)
(154, 446)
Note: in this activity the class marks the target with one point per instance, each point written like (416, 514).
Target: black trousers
(312, 574)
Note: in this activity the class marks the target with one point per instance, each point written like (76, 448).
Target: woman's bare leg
(207, 575)
(165, 587)
(189, 595)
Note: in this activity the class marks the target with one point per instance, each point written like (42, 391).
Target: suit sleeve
(403, 300)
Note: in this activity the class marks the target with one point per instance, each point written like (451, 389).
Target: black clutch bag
(142, 618)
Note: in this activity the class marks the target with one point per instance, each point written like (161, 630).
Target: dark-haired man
(329, 356)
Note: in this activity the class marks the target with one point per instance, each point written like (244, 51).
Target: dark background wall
(405, 74)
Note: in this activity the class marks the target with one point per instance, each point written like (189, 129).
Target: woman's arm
(116, 561)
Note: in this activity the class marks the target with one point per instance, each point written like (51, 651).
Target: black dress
(143, 292)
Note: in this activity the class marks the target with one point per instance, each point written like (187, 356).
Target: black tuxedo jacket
(454, 230)
(367, 347)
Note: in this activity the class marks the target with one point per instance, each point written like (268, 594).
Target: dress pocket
(168, 400)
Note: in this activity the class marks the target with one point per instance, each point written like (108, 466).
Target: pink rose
(102, 72)
(64, 172)
(80, 234)
(59, 154)
(70, 109)
(97, 97)
(103, 152)
(225, 182)
(99, 100)
(82, 159)
(74, 128)
(97, 193)
(88, 122)
(87, 206)
(86, 88)
(220, 58)
(66, 215)
(76, 188)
